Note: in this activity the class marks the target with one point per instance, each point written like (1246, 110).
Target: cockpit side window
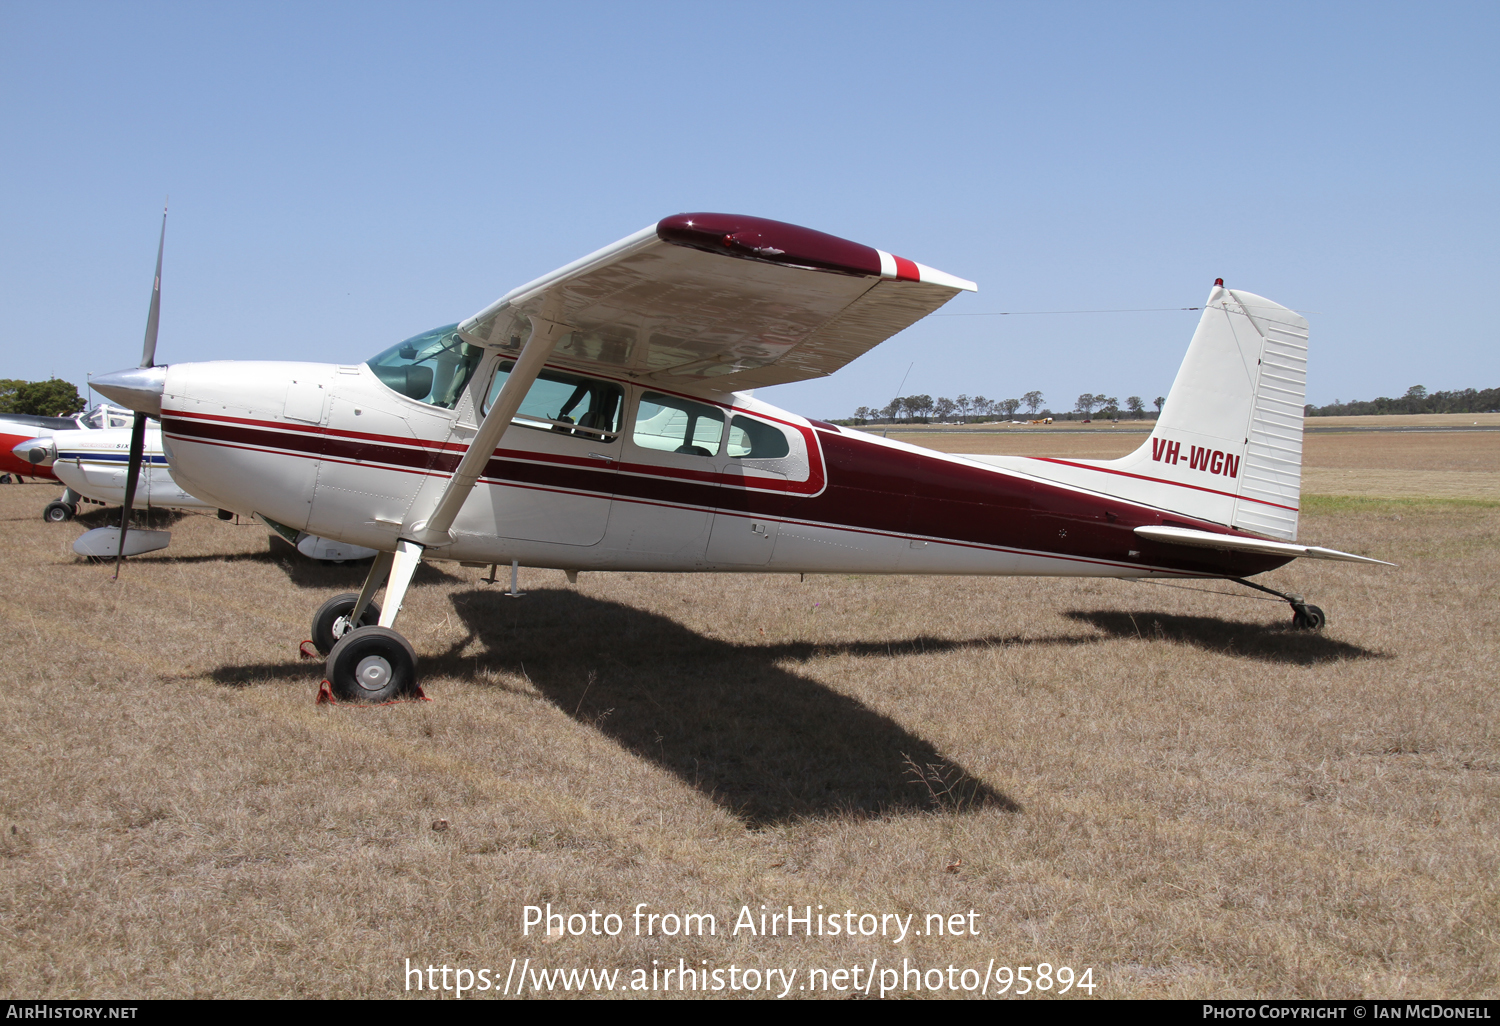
(673, 424)
(433, 367)
(565, 403)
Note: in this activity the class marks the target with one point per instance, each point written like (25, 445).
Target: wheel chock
(327, 697)
(307, 650)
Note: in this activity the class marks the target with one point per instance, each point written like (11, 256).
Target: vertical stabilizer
(1231, 428)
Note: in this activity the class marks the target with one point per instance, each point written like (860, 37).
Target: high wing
(720, 301)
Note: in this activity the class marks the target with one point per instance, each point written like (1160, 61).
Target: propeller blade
(132, 475)
(138, 428)
(148, 351)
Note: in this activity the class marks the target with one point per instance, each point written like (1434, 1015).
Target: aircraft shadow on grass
(1269, 643)
(765, 743)
(154, 518)
(762, 741)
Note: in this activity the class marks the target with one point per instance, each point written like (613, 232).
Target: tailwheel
(331, 622)
(1304, 617)
(1308, 618)
(59, 512)
(372, 664)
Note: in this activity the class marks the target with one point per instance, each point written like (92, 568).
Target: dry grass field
(1167, 786)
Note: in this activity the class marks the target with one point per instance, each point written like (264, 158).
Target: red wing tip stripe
(898, 268)
(1158, 480)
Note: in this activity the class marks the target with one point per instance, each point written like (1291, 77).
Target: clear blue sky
(345, 175)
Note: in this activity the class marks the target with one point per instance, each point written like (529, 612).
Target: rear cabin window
(670, 424)
(756, 440)
(565, 403)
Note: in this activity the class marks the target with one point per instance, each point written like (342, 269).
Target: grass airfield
(1167, 786)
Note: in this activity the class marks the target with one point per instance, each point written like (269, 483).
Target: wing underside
(721, 301)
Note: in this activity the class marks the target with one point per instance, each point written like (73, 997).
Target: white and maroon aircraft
(599, 418)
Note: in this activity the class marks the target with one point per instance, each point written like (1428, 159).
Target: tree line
(51, 398)
(1416, 400)
(923, 409)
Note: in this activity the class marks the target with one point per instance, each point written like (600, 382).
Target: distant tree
(919, 405)
(981, 406)
(51, 398)
(893, 409)
(8, 388)
(1158, 401)
(1416, 400)
(1009, 408)
(944, 407)
(1033, 400)
(1110, 407)
(863, 414)
(964, 403)
(1086, 403)
(1136, 407)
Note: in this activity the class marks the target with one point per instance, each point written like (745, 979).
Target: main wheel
(331, 621)
(1308, 618)
(372, 664)
(58, 512)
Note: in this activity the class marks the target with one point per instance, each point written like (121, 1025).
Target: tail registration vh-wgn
(597, 418)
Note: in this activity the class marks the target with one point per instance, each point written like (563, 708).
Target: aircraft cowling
(256, 436)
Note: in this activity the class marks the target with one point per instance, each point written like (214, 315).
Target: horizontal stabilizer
(104, 542)
(1239, 543)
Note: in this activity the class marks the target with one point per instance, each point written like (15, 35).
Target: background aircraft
(17, 428)
(618, 385)
(93, 465)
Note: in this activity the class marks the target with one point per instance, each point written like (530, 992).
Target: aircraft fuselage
(332, 450)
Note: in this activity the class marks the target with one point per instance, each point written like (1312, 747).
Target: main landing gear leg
(1304, 617)
(374, 663)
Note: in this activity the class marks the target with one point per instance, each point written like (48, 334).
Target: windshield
(107, 416)
(432, 367)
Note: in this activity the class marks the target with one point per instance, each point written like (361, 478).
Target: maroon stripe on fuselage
(895, 491)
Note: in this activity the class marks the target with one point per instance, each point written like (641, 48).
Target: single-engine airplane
(600, 418)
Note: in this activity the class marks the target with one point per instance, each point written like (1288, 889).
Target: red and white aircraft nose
(39, 452)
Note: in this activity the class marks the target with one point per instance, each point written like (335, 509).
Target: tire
(58, 513)
(372, 664)
(331, 621)
(1309, 618)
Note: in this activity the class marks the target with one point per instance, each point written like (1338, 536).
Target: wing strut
(545, 334)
